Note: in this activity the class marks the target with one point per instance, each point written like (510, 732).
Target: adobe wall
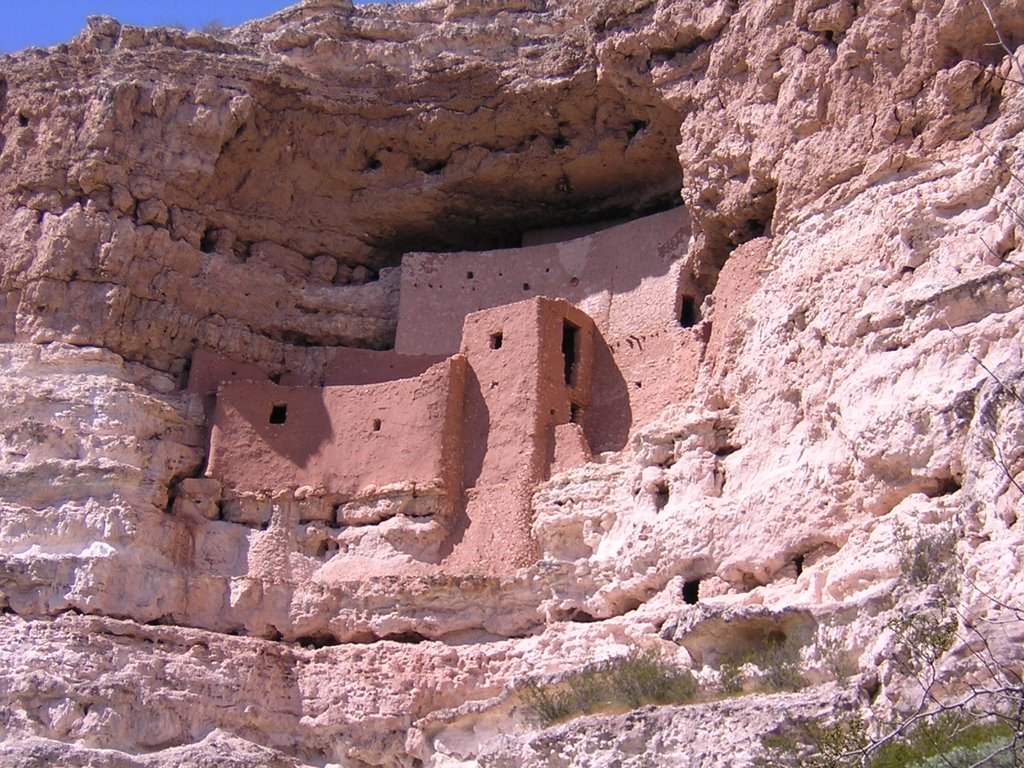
(635, 378)
(350, 365)
(209, 369)
(345, 441)
(739, 279)
(627, 278)
(516, 394)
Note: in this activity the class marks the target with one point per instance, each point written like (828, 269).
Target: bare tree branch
(1002, 41)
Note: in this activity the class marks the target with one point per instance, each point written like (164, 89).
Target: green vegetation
(624, 683)
(952, 740)
(978, 729)
(777, 659)
(928, 560)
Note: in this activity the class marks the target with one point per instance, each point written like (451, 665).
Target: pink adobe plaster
(347, 442)
(209, 370)
(627, 278)
(530, 364)
(369, 366)
(738, 281)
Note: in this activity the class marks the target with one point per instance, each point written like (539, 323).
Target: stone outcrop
(182, 213)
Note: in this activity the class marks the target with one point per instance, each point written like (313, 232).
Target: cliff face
(852, 181)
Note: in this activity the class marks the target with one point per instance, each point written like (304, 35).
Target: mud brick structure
(507, 366)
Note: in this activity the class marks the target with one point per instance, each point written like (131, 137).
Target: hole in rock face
(208, 242)
(496, 340)
(945, 486)
(798, 564)
(376, 425)
(22, 120)
(581, 617)
(327, 548)
(319, 640)
(688, 312)
(430, 166)
(635, 127)
(755, 228)
(526, 286)
(661, 496)
(278, 413)
(405, 637)
(691, 591)
(469, 275)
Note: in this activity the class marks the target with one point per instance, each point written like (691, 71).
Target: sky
(48, 22)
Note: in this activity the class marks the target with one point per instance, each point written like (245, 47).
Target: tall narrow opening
(691, 591)
(496, 340)
(687, 312)
(570, 351)
(278, 413)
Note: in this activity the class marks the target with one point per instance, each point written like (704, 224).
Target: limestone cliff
(850, 174)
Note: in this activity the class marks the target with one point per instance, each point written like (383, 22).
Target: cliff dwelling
(374, 374)
(508, 366)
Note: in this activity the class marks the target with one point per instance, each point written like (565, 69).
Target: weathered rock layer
(852, 173)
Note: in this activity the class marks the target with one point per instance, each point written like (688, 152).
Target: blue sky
(48, 22)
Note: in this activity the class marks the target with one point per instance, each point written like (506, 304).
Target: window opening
(570, 350)
(376, 425)
(496, 340)
(278, 413)
(575, 413)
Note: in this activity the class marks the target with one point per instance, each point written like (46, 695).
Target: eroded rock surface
(852, 176)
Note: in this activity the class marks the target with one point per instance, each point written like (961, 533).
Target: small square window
(278, 413)
(496, 340)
